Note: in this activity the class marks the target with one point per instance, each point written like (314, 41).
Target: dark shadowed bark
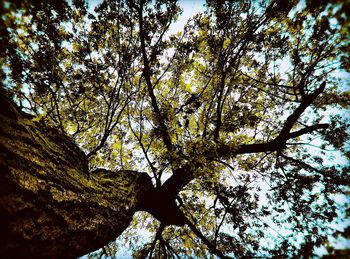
(50, 205)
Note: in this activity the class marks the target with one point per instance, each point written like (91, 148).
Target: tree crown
(233, 117)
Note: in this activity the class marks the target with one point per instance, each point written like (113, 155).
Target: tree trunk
(50, 206)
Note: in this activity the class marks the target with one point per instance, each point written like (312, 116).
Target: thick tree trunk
(50, 206)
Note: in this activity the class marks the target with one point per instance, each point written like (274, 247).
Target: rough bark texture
(50, 206)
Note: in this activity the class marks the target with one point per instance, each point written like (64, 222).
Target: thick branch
(275, 144)
(279, 142)
(292, 119)
(181, 177)
(161, 204)
(156, 238)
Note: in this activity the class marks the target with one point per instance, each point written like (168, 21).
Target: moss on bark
(50, 206)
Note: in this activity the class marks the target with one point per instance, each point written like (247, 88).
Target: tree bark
(50, 205)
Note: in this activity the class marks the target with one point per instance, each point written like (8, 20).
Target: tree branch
(156, 238)
(184, 175)
(301, 163)
(280, 141)
(308, 129)
(275, 144)
(147, 75)
(108, 131)
(212, 248)
(292, 119)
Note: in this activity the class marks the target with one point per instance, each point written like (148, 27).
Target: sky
(189, 7)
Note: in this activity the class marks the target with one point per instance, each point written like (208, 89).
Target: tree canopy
(235, 118)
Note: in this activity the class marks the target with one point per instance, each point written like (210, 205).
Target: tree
(231, 120)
